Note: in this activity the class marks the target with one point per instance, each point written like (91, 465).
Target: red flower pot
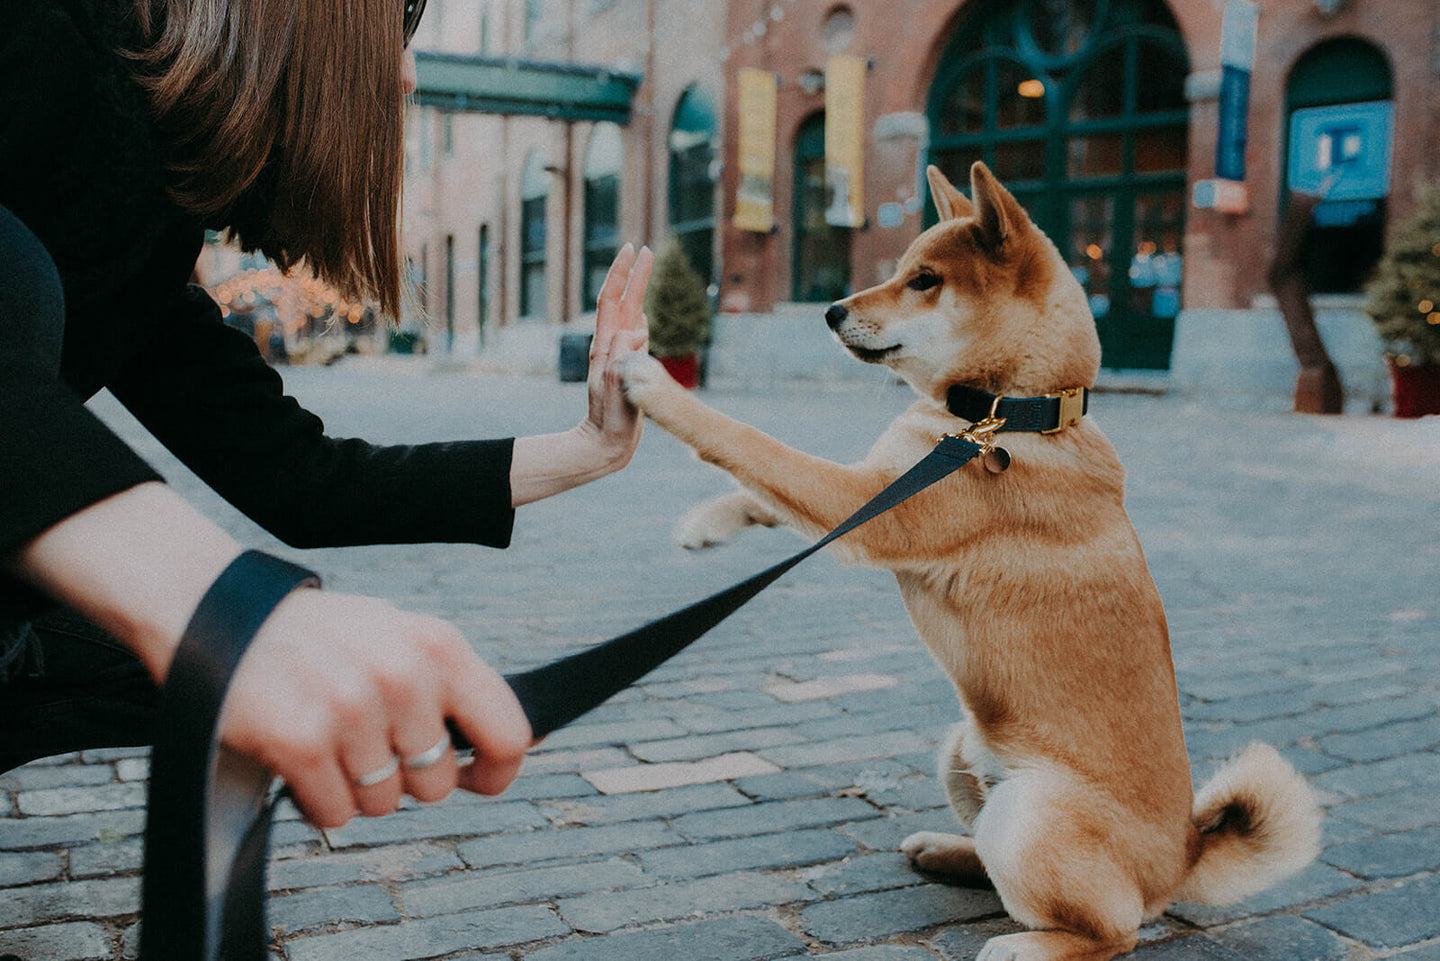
(1416, 389)
(685, 370)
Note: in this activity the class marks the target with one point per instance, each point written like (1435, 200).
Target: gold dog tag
(997, 460)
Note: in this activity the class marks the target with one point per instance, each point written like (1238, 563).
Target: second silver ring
(431, 756)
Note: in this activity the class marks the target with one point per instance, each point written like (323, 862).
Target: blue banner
(1234, 111)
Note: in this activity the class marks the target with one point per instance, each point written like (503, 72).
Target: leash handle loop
(193, 908)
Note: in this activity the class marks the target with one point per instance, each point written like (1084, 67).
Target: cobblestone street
(746, 801)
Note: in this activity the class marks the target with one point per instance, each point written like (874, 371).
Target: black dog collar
(1048, 414)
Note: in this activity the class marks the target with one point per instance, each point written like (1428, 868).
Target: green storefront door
(1078, 107)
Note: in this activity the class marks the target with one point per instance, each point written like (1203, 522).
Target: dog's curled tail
(1259, 822)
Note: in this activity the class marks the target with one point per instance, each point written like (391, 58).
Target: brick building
(1102, 115)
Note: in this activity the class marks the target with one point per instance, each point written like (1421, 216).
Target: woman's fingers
(487, 712)
(612, 292)
(346, 698)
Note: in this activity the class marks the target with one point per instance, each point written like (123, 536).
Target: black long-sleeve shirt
(83, 167)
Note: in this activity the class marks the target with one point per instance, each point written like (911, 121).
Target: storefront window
(1078, 107)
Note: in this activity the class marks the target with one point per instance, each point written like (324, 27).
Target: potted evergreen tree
(678, 310)
(1403, 298)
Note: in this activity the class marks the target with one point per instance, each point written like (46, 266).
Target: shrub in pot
(678, 311)
(1403, 299)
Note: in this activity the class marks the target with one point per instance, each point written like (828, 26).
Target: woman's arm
(546, 464)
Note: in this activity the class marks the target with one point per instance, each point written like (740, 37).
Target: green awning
(559, 91)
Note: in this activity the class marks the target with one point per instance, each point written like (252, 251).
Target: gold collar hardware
(982, 434)
(1072, 408)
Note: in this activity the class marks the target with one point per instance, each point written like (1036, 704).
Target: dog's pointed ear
(998, 215)
(951, 203)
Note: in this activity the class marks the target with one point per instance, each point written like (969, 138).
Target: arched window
(534, 189)
(1078, 106)
(1339, 117)
(692, 182)
(821, 262)
(604, 160)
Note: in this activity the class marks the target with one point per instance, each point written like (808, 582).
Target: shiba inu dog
(1031, 591)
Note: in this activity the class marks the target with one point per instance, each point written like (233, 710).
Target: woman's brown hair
(286, 123)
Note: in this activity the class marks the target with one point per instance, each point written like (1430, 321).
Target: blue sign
(1234, 109)
(1341, 152)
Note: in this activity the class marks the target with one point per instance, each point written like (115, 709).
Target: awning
(559, 91)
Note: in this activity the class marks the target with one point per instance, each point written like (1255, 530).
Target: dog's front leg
(717, 520)
(806, 492)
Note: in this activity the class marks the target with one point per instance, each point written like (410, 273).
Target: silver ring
(432, 756)
(379, 776)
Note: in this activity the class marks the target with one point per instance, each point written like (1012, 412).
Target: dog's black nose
(836, 315)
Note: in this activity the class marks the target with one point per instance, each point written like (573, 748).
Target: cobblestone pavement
(745, 802)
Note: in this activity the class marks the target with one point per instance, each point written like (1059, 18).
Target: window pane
(532, 290)
(693, 192)
(532, 227)
(1160, 149)
(1089, 248)
(1102, 89)
(1162, 79)
(1020, 97)
(822, 269)
(1098, 155)
(1061, 26)
(964, 110)
(1023, 160)
(1155, 262)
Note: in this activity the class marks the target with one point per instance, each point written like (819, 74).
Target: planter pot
(685, 369)
(1416, 389)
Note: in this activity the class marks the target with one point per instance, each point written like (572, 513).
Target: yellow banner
(845, 140)
(755, 196)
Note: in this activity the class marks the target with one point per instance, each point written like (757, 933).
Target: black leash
(208, 827)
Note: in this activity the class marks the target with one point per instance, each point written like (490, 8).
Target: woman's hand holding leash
(346, 697)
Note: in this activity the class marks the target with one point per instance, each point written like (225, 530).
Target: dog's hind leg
(1057, 856)
(953, 854)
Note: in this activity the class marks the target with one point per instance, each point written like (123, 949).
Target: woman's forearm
(136, 563)
(547, 464)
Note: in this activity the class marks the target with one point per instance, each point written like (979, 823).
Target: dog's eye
(923, 281)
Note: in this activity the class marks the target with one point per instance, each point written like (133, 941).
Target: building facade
(1107, 118)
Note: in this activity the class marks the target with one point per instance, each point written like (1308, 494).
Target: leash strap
(207, 829)
(558, 693)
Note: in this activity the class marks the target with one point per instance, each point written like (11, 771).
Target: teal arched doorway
(1079, 107)
(1338, 119)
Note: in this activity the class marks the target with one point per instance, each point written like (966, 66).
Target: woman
(127, 127)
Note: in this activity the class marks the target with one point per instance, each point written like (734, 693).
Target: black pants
(73, 688)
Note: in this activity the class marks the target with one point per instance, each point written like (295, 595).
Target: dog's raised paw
(643, 375)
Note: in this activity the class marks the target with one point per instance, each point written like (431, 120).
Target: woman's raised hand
(546, 464)
(620, 329)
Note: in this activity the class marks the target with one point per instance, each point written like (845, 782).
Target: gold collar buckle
(1072, 408)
